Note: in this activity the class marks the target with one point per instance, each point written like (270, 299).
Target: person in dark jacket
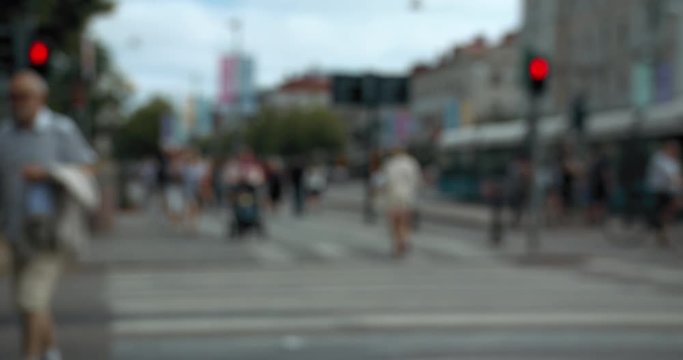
(296, 176)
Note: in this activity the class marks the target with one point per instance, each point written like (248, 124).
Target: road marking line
(453, 248)
(166, 326)
(629, 269)
(329, 250)
(211, 227)
(271, 253)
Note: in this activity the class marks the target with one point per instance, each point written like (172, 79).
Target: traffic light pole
(20, 34)
(537, 72)
(533, 243)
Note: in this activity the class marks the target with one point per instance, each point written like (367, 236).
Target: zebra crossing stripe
(329, 250)
(189, 326)
(326, 239)
(272, 253)
(633, 270)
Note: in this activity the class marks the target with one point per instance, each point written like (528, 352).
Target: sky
(173, 46)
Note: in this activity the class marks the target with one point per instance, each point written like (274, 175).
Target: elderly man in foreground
(33, 143)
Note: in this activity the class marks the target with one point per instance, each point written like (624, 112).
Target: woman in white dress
(401, 176)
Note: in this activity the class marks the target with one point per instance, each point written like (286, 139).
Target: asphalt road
(324, 287)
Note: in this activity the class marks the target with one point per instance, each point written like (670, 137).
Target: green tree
(296, 131)
(219, 145)
(112, 88)
(139, 136)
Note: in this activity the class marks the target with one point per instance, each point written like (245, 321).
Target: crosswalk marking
(170, 326)
(330, 250)
(202, 293)
(376, 240)
(330, 242)
(326, 247)
(271, 253)
(453, 248)
(278, 298)
(213, 226)
(330, 238)
(622, 268)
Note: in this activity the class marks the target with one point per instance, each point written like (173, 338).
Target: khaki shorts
(35, 281)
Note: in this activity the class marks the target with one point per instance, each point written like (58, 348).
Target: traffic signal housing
(370, 90)
(39, 55)
(538, 72)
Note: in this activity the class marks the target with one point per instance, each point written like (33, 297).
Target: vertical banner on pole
(237, 89)
(246, 88)
(227, 82)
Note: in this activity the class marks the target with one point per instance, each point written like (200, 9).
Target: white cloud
(182, 39)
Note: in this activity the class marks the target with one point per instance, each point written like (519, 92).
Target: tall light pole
(235, 26)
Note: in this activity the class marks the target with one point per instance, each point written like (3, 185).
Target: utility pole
(533, 230)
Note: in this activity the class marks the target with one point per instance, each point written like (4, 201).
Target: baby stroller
(246, 211)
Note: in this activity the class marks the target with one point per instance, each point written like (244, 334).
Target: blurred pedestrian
(163, 169)
(549, 182)
(134, 185)
(34, 144)
(316, 182)
(206, 194)
(174, 191)
(665, 181)
(193, 175)
(494, 193)
(275, 182)
(632, 171)
(148, 176)
(249, 169)
(296, 178)
(340, 172)
(216, 174)
(568, 177)
(518, 187)
(599, 186)
(402, 179)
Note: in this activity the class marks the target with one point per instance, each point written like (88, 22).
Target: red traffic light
(539, 68)
(38, 53)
